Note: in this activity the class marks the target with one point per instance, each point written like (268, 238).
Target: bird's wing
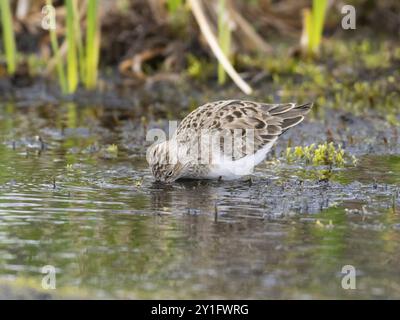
(264, 122)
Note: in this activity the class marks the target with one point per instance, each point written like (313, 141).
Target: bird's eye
(169, 174)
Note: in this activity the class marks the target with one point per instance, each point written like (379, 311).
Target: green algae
(322, 154)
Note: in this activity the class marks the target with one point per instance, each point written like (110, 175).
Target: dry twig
(216, 49)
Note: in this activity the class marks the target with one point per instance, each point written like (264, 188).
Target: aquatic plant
(82, 61)
(224, 37)
(108, 152)
(92, 44)
(59, 61)
(393, 120)
(8, 36)
(113, 148)
(174, 5)
(72, 58)
(322, 154)
(319, 224)
(198, 68)
(313, 24)
(194, 66)
(79, 40)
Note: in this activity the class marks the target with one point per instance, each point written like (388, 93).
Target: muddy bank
(10, 291)
(358, 76)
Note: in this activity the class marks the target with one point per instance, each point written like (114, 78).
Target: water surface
(69, 200)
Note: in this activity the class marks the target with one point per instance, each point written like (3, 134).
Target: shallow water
(70, 201)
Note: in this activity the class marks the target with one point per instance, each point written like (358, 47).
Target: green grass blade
(72, 60)
(174, 5)
(92, 44)
(224, 37)
(307, 25)
(8, 36)
(318, 20)
(72, 115)
(59, 64)
(78, 38)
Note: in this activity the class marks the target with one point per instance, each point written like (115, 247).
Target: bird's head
(163, 162)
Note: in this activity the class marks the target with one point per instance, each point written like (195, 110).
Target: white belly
(229, 170)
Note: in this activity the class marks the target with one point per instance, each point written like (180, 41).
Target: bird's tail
(291, 114)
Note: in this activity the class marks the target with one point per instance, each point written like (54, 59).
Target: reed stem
(8, 36)
(72, 60)
(59, 61)
(224, 37)
(92, 44)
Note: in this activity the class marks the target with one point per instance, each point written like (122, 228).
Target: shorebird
(223, 140)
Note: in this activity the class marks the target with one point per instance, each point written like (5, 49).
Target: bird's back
(265, 121)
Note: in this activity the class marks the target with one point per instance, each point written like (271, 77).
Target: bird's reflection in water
(186, 196)
(211, 198)
(183, 196)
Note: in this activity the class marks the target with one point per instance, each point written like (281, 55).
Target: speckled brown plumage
(266, 122)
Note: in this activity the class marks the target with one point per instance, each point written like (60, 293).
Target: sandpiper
(223, 140)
